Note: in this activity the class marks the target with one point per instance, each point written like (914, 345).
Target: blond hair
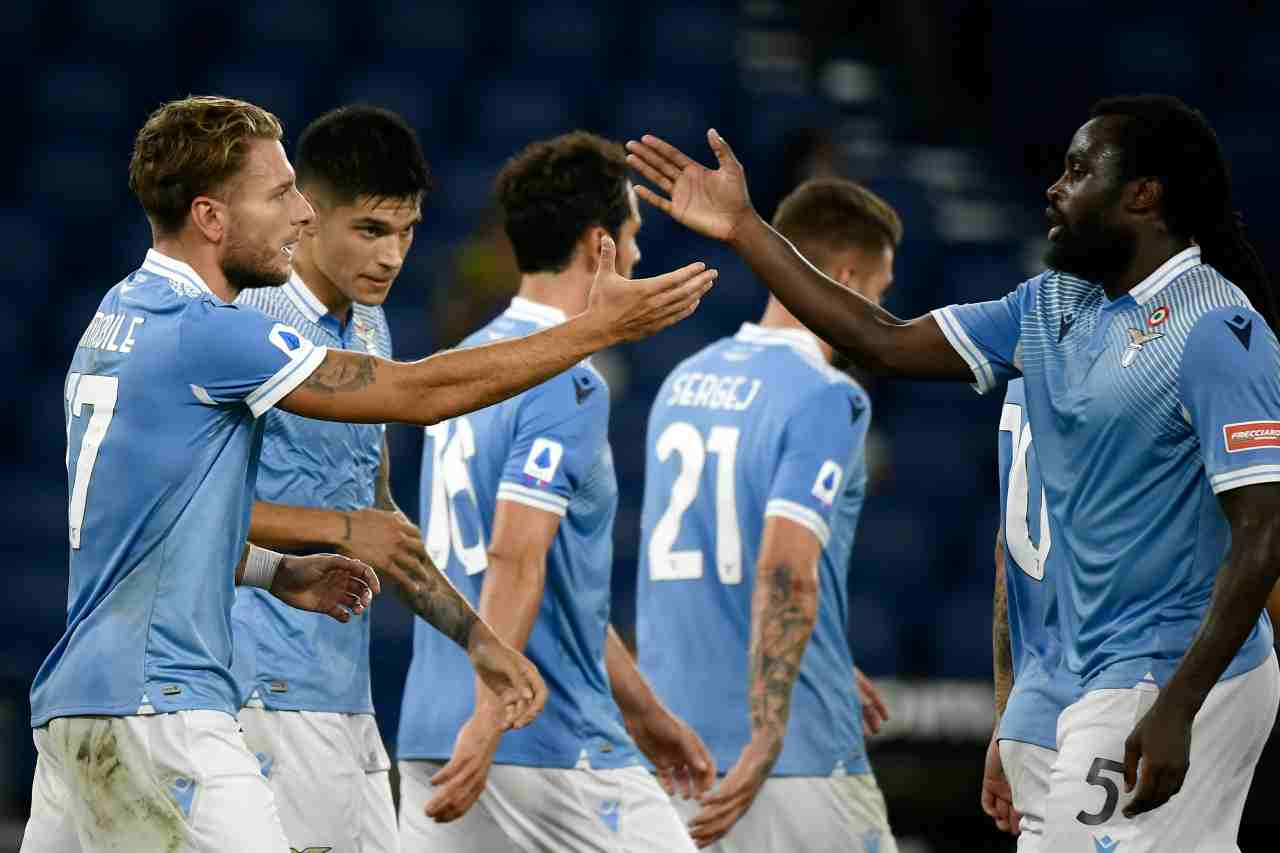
(191, 147)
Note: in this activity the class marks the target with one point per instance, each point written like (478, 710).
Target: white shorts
(1027, 768)
(545, 810)
(331, 778)
(814, 814)
(1086, 786)
(178, 783)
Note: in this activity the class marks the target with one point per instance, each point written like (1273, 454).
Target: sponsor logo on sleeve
(827, 484)
(544, 459)
(1251, 435)
(286, 339)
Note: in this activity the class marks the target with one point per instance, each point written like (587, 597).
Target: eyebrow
(370, 222)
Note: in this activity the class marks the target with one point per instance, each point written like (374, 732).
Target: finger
(650, 197)
(988, 800)
(449, 772)
(1132, 753)
(416, 550)
(650, 173)
(724, 154)
(1015, 821)
(668, 152)
(1147, 796)
(682, 776)
(705, 766)
(607, 252)
(340, 613)
(660, 285)
(656, 160)
(666, 780)
(682, 295)
(370, 577)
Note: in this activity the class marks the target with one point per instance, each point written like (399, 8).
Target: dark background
(957, 112)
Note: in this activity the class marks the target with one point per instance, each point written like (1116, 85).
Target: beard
(247, 265)
(1091, 250)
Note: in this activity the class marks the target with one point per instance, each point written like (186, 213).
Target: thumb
(607, 252)
(724, 154)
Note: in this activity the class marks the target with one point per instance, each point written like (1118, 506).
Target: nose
(303, 212)
(390, 255)
(1054, 193)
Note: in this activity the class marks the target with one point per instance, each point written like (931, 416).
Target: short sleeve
(822, 449)
(559, 430)
(1229, 383)
(239, 355)
(987, 335)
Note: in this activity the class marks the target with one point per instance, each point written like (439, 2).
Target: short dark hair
(554, 190)
(361, 150)
(831, 214)
(191, 147)
(1164, 138)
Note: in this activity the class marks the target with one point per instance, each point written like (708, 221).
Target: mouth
(1056, 223)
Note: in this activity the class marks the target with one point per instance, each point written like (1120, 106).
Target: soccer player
(1153, 390)
(519, 501)
(755, 474)
(134, 710)
(324, 485)
(1032, 685)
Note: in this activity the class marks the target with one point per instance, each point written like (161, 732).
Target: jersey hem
(800, 514)
(1250, 476)
(38, 721)
(629, 760)
(508, 491)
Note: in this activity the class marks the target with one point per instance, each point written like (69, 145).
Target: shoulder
(814, 391)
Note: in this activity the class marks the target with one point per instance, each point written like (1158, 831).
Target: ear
(1145, 195)
(209, 215)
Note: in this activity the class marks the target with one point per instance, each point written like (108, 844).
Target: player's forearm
(872, 337)
(298, 528)
(432, 597)
(382, 497)
(634, 695)
(1240, 592)
(784, 608)
(244, 559)
(1001, 651)
(509, 603)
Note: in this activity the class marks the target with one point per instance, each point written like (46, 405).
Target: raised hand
(326, 583)
(461, 782)
(875, 711)
(632, 309)
(997, 795)
(711, 202)
(737, 791)
(515, 681)
(682, 761)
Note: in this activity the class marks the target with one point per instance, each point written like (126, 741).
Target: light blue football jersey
(164, 400)
(547, 448)
(286, 658)
(1042, 686)
(752, 426)
(1143, 408)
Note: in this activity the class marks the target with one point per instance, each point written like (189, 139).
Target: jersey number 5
(666, 564)
(1017, 526)
(100, 392)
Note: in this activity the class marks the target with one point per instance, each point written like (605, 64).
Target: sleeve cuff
(545, 501)
(961, 343)
(1229, 480)
(801, 515)
(285, 380)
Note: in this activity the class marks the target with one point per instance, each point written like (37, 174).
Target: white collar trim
(800, 340)
(303, 299)
(535, 312)
(1149, 287)
(171, 268)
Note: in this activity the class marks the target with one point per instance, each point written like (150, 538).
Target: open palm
(712, 202)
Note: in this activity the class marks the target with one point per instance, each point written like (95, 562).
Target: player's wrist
(746, 228)
(260, 567)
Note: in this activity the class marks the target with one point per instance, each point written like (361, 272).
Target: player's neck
(201, 258)
(565, 290)
(1151, 252)
(319, 284)
(776, 316)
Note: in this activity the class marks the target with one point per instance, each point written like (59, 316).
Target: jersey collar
(1149, 287)
(175, 270)
(800, 340)
(303, 299)
(535, 312)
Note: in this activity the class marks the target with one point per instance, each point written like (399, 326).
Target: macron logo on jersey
(544, 459)
(285, 339)
(1251, 435)
(827, 484)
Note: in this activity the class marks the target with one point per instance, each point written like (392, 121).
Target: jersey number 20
(1017, 526)
(666, 564)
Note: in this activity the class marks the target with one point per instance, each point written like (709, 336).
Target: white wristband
(260, 567)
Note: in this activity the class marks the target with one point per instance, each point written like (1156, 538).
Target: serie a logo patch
(1250, 435)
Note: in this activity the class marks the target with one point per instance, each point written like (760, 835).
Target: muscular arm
(784, 608)
(1001, 654)
(1240, 592)
(870, 336)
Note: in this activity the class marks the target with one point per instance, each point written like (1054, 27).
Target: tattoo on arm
(783, 626)
(437, 601)
(1001, 653)
(348, 372)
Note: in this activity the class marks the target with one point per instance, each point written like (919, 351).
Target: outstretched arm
(716, 203)
(360, 388)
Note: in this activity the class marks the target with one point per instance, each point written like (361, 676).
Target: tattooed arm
(1001, 653)
(784, 608)
(360, 388)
